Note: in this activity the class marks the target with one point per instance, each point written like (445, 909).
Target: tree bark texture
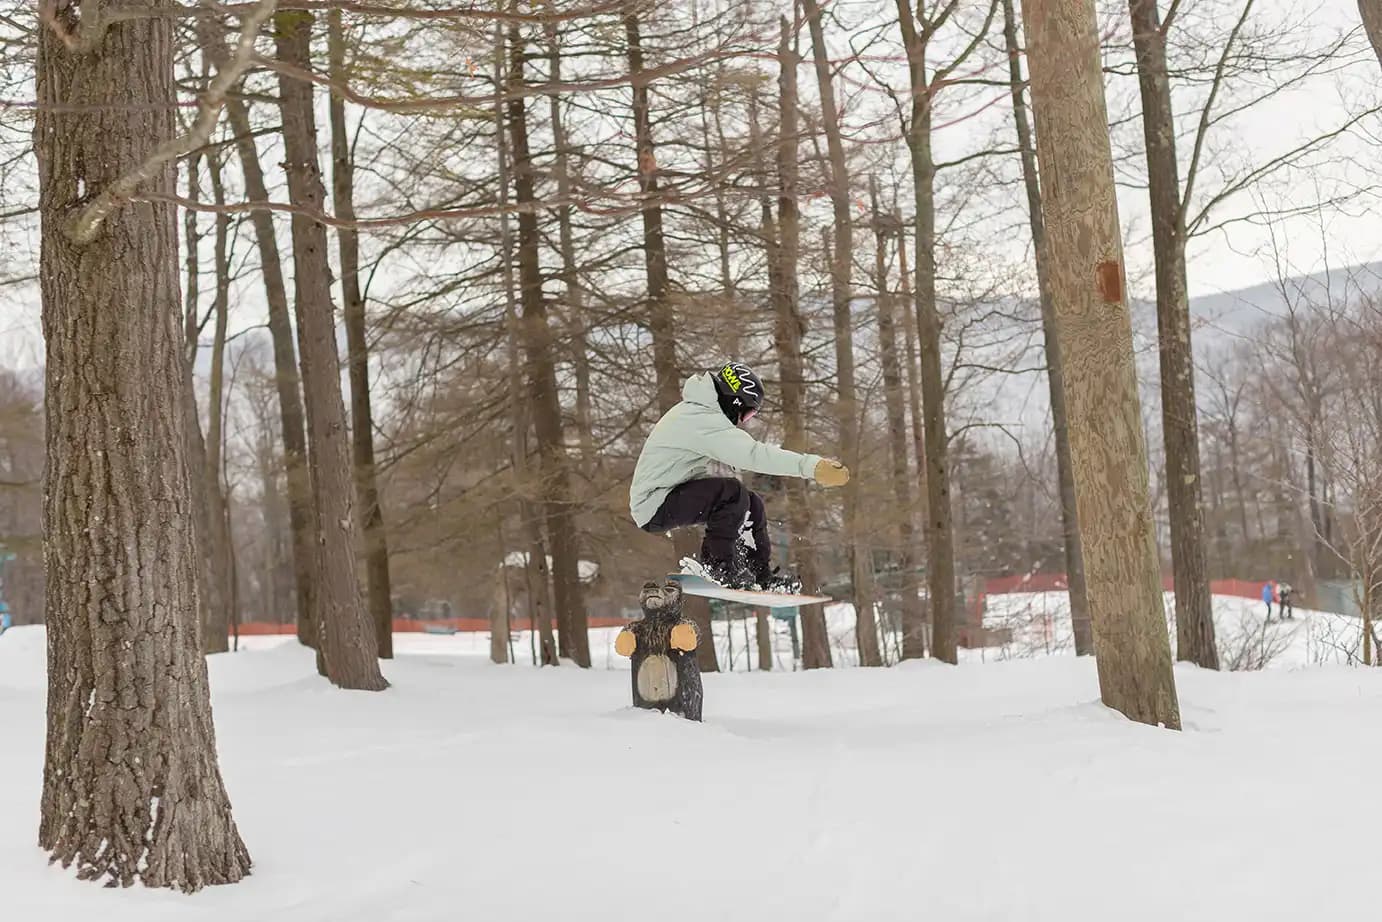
(940, 538)
(211, 589)
(1180, 427)
(1070, 526)
(346, 635)
(535, 571)
(788, 331)
(286, 379)
(895, 400)
(574, 314)
(131, 787)
(216, 627)
(1107, 446)
(377, 583)
(573, 637)
(1371, 12)
(661, 319)
(842, 303)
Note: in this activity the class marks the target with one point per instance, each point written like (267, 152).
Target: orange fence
(414, 626)
(1055, 582)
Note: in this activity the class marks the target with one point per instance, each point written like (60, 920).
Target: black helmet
(740, 390)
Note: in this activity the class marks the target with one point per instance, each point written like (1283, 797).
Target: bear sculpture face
(664, 599)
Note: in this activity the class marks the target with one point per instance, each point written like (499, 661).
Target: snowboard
(695, 583)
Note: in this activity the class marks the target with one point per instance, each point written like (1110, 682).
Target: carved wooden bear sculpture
(663, 646)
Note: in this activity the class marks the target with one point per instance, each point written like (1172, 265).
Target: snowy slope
(998, 791)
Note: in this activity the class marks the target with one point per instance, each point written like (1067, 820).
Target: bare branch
(88, 223)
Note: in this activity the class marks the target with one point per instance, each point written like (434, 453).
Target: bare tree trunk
(379, 592)
(347, 636)
(661, 320)
(574, 318)
(286, 380)
(1070, 526)
(131, 786)
(842, 302)
(788, 332)
(1107, 447)
(1180, 430)
(913, 613)
(216, 631)
(542, 378)
(765, 640)
(1371, 12)
(535, 564)
(940, 538)
(211, 590)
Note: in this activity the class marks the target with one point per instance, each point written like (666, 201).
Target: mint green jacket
(690, 439)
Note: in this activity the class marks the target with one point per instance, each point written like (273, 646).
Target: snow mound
(1000, 791)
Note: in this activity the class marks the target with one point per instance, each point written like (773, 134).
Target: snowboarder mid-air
(685, 477)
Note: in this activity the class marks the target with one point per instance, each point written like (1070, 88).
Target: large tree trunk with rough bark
(842, 302)
(1070, 526)
(378, 592)
(286, 380)
(346, 635)
(573, 636)
(1180, 429)
(940, 539)
(131, 788)
(895, 400)
(660, 316)
(788, 331)
(1107, 446)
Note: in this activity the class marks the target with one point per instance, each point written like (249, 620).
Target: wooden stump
(662, 644)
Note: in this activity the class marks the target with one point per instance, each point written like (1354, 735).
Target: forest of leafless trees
(376, 302)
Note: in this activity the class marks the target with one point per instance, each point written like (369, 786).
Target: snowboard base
(692, 584)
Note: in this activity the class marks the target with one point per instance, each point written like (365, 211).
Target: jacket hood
(701, 389)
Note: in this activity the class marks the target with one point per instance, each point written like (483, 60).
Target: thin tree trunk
(286, 380)
(210, 588)
(940, 539)
(535, 564)
(788, 330)
(1180, 429)
(380, 595)
(842, 302)
(765, 640)
(1070, 527)
(575, 318)
(1107, 447)
(913, 613)
(347, 636)
(216, 628)
(131, 786)
(573, 636)
(920, 640)
(660, 314)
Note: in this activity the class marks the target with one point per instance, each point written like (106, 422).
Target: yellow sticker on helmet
(731, 378)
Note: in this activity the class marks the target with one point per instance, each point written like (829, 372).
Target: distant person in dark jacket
(1268, 597)
(1283, 602)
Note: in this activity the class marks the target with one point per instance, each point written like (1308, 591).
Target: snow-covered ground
(989, 791)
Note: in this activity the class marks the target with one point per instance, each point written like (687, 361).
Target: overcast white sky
(1240, 256)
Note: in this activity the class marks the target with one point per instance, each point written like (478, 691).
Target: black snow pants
(722, 504)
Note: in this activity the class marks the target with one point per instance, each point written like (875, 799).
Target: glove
(831, 473)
